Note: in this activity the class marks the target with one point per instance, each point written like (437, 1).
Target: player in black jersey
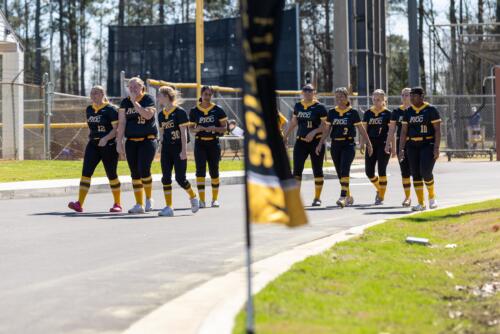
(376, 120)
(174, 122)
(308, 116)
(395, 128)
(421, 128)
(102, 119)
(137, 123)
(342, 122)
(208, 122)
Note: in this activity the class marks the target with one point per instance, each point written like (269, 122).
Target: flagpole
(250, 316)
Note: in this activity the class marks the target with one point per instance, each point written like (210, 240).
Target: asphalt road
(97, 272)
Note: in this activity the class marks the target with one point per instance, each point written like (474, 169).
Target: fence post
(122, 84)
(497, 109)
(47, 114)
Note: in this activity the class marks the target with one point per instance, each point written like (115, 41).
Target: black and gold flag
(272, 193)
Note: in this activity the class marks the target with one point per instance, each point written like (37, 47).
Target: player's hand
(362, 149)
(388, 148)
(436, 153)
(310, 136)
(369, 148)
(102, 142)
(183, 155)
(401, 155)
(319, 148)
(119, 148)
(133, 96)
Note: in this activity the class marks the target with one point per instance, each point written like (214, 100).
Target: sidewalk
(63, 187)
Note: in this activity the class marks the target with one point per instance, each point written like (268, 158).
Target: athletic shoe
(418, 207)
(433, 203)
(316, 202)
(75, 206)
(349, 201)
(166, 212)
(215, 204)
(202, 204)
(116, 208)
(195, 205)
(378, 200)
(407, 203)
(137, 209)
(341, 202)
(149, 204)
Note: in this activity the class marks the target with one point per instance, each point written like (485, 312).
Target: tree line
(79, 29)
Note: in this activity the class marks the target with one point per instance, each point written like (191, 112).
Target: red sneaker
(75, 206)
(116, 208)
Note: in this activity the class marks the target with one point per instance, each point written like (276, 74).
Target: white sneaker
(349, 201)
(201, 204)
(418, 208)
(149, 204)
(195, 205)
(166, 212)
(215, 204)
(407, 203)
(136, 209)
(433, 204)
(342, 202)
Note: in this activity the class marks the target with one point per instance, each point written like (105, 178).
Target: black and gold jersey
(421, 122)
(137, 126)
(207, 117)
(397, 118)
(377, 123)
(343, 122)
(171, 121)
(309, 117)
(100, 119)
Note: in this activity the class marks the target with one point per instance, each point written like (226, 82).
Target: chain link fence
(69, 132)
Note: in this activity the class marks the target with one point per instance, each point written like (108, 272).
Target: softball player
(308, 116)
(421, 129)
(102, 120)
(208, 122)
(342, 122)
(137, 123)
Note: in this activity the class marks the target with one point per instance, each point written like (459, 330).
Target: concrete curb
(211, 308)
(64, 187)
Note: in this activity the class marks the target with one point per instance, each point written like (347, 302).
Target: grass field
(27, 170)
(377, 283)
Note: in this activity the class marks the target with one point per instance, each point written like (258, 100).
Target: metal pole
(298, 28)
(341, 38)
(497, 109)
(51, 56)
(47, 103)
(414, 78)
(123, 91)
(200, 45)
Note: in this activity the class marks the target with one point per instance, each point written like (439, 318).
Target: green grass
(27, 170)
(377, 283)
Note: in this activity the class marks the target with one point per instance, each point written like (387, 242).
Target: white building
(12, 79)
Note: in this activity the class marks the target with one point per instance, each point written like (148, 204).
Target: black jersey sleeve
(435, 118)
(394, 115)
(221, 114)
(182, 118)
(366, 116)
(147, 101)
(296, 109)
(112, 114)
(323, 113)
(192, 117)
(125, 103)
(356, 120)
(329, 117)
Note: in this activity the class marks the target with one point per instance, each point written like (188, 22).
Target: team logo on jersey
(340, 121)
(304, 114)
(94, 119)
(130, 111)
(168, 124)
(417, 119)
(376, 121)
(207, 119)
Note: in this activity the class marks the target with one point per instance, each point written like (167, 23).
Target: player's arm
(291, 126)
(391, 139)
(145, 112)
(402, 139)
(184, 134)
(364, 139)
(437, 138)
(120, 131)
(326, 128)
